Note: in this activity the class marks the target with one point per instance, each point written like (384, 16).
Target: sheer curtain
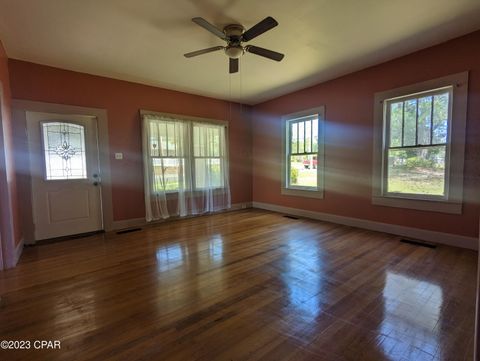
(1, 253)
(185, 166)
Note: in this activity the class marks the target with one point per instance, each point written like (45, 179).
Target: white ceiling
(144, 40)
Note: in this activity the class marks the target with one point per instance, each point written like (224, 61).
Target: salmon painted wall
(9, 207)
(348, 102)
(122, 100)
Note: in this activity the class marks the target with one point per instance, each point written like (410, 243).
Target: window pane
(301, 139)
(167, 172)
(162, 131)
(440, 118)
(64, 149)
(154, 140)
(417, 171)
(198, 142)
(294, 132)
(216, 142)
(308, 136)
(396, 117)
(208, 173)
(424, 119)
(410, 123)
(172, 140)
(167, 138)
(315, 135)
(303, 170)
(206, 140)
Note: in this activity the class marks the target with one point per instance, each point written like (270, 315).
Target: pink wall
(9, 221)
(349, 133)
(349, 138)
(123, 100)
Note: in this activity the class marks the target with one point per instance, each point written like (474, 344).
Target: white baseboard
(128, 223)
(141, 222)
(410, 232)
(237, 206)
(18, 250)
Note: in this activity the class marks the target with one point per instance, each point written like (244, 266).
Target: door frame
(19, 109)
(8, 252)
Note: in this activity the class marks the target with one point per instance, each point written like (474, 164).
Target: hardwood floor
(246, 285)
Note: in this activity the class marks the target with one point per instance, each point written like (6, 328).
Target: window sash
(161, 159)
(289, 154)
(195, 180)
(387, 140)
(417, 96)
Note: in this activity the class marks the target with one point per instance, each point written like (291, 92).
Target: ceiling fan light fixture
(234, 51)
(235, 35)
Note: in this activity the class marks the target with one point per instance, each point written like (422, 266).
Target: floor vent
(291, 217)
(129, 230)
(418, 243)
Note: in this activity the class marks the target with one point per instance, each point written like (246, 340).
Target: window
(64, 151)
(302, 172)
(168, 154)
(208, 155)
(421, 128)
(181, 161)
(416, 149)
(186, 160)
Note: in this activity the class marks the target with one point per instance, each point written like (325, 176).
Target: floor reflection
(302, 276)
(412, 312)
(215, 249)
(170, 256)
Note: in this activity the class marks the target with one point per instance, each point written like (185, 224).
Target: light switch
(118, 155)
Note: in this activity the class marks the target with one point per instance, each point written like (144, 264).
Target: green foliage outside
(171, 182)
(417, 171)
(293, 175)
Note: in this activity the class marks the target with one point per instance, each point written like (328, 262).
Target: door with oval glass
(65, 174)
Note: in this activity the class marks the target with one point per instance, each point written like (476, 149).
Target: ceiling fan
(235, 35)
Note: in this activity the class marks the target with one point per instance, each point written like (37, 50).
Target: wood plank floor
(245, 285)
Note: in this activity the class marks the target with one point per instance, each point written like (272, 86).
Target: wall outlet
(118, 155)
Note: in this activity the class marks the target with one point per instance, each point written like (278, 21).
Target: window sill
(302, 193)
(196, 192)
(419, 204)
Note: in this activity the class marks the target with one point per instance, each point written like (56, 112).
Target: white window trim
(452, 203)
(317, 192)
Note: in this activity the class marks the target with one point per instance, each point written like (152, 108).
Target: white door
(65, 174)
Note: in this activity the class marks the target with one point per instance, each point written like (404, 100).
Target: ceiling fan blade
(270, 54)
(211, 28)
(233, 66)
(258, 29)
(203, 51)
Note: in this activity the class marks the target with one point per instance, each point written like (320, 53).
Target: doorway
(65, 174)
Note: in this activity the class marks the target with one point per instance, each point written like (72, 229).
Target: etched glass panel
(64, 149)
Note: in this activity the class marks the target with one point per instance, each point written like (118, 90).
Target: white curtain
(185, 166)
(1, 253)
